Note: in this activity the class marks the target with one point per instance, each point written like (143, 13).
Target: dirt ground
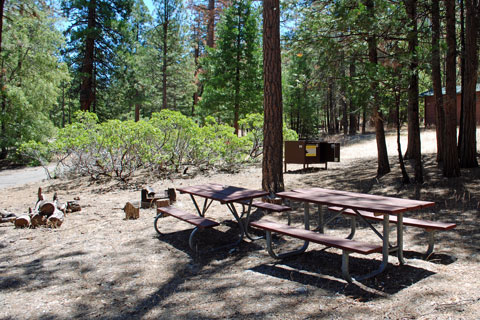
(99, 265)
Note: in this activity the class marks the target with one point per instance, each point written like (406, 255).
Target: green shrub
(167, 142)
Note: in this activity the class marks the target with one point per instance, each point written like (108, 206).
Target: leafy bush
(167, 142)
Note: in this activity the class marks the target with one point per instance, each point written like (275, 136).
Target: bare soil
(99, 265)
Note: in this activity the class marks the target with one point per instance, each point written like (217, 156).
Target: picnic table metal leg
(306, 215)
(275, 255)
(321, 218)
(385, 250)
(206, 205)
(247, 220)
(431, 244)
(234, 212)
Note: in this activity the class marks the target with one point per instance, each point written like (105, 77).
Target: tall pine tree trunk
(272, 174)
(413, 148)
(87, 93)
(468, 142)
(353, 119)
(3, 127)
(462, 70)
(451, 166)
(211, 24)
(437, 81)
(165, 49)
(382, 155)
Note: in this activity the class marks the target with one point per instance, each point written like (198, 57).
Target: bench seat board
(308, 235)
(188, 217)
(271, 206)
(425, 224)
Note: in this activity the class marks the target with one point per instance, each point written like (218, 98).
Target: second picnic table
(359, 202)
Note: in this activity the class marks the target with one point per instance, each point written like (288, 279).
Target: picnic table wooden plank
(224, 194)
(359, 201)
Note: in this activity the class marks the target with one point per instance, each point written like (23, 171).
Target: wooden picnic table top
(222, 193)
(354, 200)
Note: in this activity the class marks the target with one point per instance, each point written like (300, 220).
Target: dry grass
(98, 265)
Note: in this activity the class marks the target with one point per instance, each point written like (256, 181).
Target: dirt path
(18, 177)
(98, 265)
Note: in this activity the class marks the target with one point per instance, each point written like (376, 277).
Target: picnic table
(227, 195)
(359, 203)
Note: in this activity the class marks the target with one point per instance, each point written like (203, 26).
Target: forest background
(183, 83)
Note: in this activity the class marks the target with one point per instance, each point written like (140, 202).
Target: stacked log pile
(45, 213)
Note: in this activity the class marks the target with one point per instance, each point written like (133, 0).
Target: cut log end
(22, 222)
(56, 219)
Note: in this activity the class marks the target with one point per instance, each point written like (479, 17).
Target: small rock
(301, 290)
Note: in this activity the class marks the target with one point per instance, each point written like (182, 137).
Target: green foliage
(32, 73)
(168, 142)
(233, 75)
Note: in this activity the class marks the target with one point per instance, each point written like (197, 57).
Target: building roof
(459, 90)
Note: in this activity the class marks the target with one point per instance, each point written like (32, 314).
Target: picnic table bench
(346, 245)
(429, 226)
(227, 195)
(200, 223)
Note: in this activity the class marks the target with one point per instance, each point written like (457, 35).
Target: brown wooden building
(430, 105)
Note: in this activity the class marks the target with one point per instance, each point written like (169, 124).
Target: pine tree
(233, 79)
(171, 64)
(94, 35)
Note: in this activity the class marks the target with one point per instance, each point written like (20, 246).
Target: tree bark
(405, 177)
(211, 24)
(165, 55)
(272, 173)
(353, 119)
(468, 142)
(437, 81)
(451, 166)
(3, 127)
(462, 70)
(382, 154)
(413, 147)
(87, 95)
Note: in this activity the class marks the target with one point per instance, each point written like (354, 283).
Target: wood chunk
(131, 211)
(73, 206)
(172, 196)
(162, 203)
(22, 221)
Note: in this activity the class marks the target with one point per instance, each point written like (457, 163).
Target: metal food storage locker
(310, 151)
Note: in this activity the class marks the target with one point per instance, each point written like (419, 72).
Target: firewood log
(46, 208)
(8, 219)
(22, 221)
(38, 220)
(56, 219)
(7, 214)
